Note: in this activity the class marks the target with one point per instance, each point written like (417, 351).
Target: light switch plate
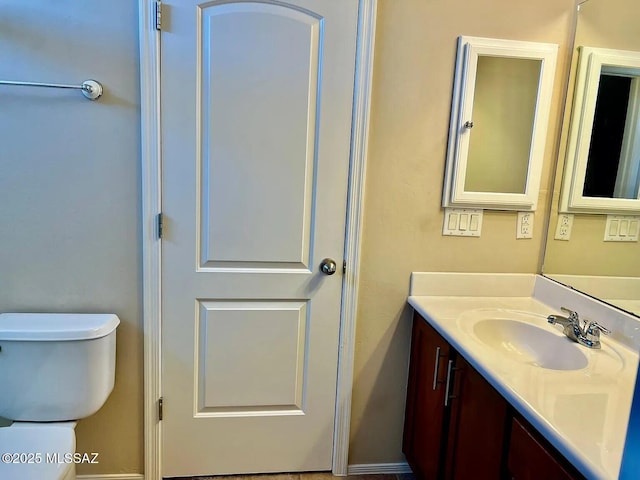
(462, 222)
(524, 225)
(564, 226)
(622, 228)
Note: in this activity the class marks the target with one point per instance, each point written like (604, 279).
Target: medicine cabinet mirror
(602, 169)
(499, 118)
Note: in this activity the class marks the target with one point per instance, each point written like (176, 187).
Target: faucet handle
(573, 315)
(591, 337)
(594, 328)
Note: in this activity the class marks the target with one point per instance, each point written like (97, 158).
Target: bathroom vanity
(465, 423)
(495, 391)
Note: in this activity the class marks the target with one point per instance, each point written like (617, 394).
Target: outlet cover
(462, 222)
(524, 225)
(564, 226)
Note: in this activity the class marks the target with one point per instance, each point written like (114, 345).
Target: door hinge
(344, 266)
(160, 408)
(159, 225)
(158, 15)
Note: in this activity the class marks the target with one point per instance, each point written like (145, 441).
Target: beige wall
(586, 253)
(413, 74)
(605, 24)
(69, 191)
(609, 24)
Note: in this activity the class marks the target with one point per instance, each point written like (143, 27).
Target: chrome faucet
(587, 335)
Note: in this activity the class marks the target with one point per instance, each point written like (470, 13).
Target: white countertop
(583, 413)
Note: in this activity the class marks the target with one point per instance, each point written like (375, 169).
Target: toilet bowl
(54, 369)
(37, 451)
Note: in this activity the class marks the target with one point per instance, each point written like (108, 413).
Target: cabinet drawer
(529, 459)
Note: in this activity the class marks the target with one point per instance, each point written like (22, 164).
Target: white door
(256, 103)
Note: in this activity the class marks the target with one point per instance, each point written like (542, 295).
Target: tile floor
(308, 476)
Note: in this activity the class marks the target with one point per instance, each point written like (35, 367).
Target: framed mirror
(607, 270)
(602, 169)
(499, 118)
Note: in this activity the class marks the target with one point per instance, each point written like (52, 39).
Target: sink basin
(530, 344)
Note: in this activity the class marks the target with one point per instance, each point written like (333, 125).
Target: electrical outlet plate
(621, 228)
(462, 222)
(564, 226)
(524, 225)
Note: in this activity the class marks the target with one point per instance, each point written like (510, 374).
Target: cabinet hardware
(447, 397)
(446, 390)
(437, 367)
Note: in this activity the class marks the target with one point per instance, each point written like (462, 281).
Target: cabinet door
(424, 416)
(477, 429)
(530, 459)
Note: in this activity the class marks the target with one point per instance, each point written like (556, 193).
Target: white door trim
(150, 153)
(353, 238)
(151, 247)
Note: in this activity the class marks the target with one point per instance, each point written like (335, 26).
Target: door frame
(151, 195)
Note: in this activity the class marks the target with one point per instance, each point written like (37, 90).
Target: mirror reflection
(607, 270)
(614, 152)
(602, 156)
(504, 107)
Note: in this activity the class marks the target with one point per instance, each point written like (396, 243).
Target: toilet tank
(55, 367)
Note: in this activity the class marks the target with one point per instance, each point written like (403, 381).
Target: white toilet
(54, 369)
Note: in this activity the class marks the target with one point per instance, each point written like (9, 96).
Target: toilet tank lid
(56, 326)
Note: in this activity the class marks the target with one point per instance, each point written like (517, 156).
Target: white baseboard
(378, 468)
(112, 476)
(360, 469)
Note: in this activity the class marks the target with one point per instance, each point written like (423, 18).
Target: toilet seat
(54, 439)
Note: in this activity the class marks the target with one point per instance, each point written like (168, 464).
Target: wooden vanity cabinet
(454, 420)
(425, 410)
(478, 418)
(458, 427)
(530, 458)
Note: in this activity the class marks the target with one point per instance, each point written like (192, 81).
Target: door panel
(267, 374)
(255, 119)
(256, 104)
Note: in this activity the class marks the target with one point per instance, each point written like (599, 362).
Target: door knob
(328, 266)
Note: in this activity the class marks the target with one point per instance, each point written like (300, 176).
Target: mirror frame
(469, 49)
(591, 63)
